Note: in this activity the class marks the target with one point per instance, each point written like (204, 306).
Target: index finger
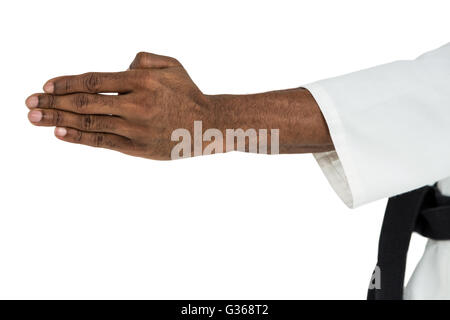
(91, 82)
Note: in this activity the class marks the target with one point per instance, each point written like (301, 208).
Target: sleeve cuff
(343, 179)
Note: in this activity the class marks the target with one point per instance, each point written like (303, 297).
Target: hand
(156, 96)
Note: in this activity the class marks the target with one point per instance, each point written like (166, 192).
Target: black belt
(425, 211)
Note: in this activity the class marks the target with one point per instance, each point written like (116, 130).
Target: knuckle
(46, 101)
(81, 101)
(99, 139)
(58, 118)
(79, 136)
(87, 122)
(50, 101)
(108, 124)
(67, 85)
(110, 143)
(91, 81)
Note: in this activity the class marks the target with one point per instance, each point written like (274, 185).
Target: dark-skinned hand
(155, 97)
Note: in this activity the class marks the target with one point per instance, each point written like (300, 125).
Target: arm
(158, 97)
(294, 112)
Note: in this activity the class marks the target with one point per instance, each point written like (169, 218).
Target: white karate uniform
(390, 126)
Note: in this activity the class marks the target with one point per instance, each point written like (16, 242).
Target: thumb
(145, 60)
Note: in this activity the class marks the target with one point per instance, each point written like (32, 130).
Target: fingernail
(60, 132)
(32, 102)
(49, 87)
(35, 116)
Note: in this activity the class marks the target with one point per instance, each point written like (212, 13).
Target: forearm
(302, 128)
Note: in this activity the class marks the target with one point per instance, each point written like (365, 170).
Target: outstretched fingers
(84, 122)
(91, 82)
(83, 103)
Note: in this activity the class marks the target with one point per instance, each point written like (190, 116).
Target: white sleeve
(390, 126)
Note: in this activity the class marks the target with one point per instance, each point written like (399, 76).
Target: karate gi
(390, 126)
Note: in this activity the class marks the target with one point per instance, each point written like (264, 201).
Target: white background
(77, 222)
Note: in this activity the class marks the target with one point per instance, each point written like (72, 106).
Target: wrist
(223, 113)
(240, 120)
